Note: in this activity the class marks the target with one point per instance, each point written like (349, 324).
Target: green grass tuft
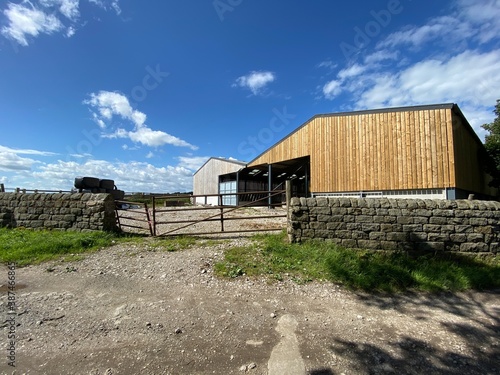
(358, 269)
(25, 246)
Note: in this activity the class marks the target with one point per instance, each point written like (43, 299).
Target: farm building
(205, 180)
(419, 152)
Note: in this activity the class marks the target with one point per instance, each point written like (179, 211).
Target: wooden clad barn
(421, 151)
(205, 179)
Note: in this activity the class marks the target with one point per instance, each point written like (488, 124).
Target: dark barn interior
(269, 177)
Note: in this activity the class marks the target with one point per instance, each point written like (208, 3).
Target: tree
(492, 145)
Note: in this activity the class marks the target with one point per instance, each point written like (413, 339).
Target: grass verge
(358, 269)
(25, 246)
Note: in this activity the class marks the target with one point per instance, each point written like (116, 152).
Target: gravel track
(130, 310)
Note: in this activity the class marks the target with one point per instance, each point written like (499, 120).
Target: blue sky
(144, 92)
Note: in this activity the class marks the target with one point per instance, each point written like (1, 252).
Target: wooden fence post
(154, 216)
(221, 203)
(288, 192)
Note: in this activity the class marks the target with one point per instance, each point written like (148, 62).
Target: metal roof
(234, 161)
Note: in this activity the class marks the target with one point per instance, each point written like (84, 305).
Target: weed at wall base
(272, 256)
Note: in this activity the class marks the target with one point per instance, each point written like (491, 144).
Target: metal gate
(224, 218)
(133, 217)
(220, 219)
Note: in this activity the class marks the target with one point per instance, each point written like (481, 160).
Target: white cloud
(192, 162)
(417, 36)
(70, 31)
(25, 151)
(116, 6)
(379, 56)
(352, 71)
(69, 8)
(25, 21)
(109, 104)
(467, 20)
(113, 4)
(132, 177)
(329, 64)
(469, 77)
(484, 15)
(80, 156)
(332, 89)
(255, 81)
(11, 161)
(443, 60)
(30, 173)
(335, 87)
(29, 19)
(156, 138)
(98, 120)
(14, 162)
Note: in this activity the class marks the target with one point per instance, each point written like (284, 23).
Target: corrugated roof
(234, 161)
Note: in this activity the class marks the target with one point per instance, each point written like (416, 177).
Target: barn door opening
(228, 187)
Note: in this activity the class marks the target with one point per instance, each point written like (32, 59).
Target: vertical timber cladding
(382, 151)
(399, 149)
(469, 157)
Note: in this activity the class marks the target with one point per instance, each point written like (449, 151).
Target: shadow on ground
(412, 356)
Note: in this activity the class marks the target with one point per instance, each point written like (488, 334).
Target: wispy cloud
(255, 81)
(416, 36)
(329, 64)
(11, 161)
(380, 56)
(332, 88)
(68, 8)
(106, 5)
(14, 162)
(443, 62)
(107, 104)
(30, 19)
(192, 162)
(27, 21)
(26, 151)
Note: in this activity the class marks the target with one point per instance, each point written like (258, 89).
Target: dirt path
(128, 310)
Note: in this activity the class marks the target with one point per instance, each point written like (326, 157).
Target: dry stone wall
(413, 225)
(78, 211)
